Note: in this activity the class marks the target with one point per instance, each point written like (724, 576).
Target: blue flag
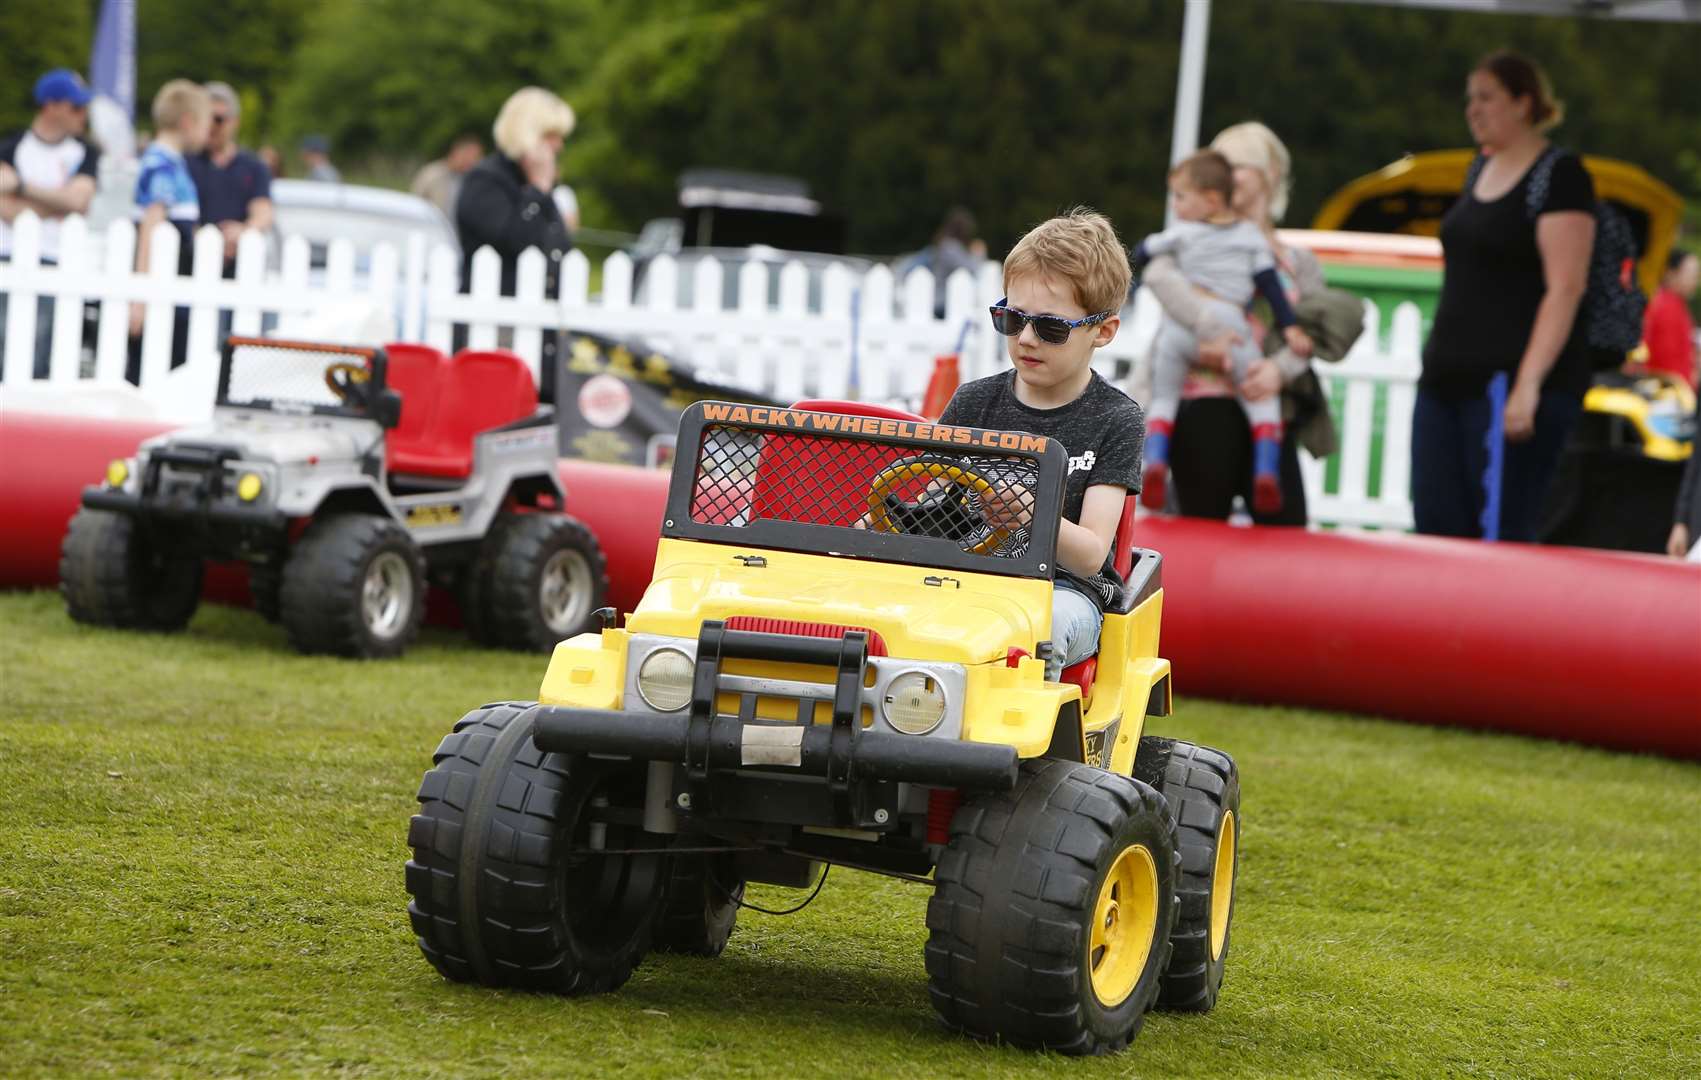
(112, 67)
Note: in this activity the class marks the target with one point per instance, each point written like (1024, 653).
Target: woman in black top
(1517, 246)
(505, 201)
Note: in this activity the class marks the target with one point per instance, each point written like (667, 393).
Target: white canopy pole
(1190, 83)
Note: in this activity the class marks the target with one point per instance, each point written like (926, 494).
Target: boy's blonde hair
(526, 117)
(1079, 247)
(177, 99)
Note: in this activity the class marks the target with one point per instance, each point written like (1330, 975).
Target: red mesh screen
(982, 501)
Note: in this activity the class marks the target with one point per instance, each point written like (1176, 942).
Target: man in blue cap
(49, 169)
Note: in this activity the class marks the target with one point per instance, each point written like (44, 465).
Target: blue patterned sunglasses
(1052, 329)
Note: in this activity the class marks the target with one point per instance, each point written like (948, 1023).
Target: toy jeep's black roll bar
(799, 480)
(367, 394)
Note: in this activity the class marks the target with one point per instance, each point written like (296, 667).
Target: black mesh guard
(902, 491)
(298, 376)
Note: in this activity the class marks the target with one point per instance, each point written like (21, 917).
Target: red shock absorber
(942, 804)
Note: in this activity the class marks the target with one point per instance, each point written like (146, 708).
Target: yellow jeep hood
(968, 619)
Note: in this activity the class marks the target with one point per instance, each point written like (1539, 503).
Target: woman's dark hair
(1676, 259)
(1522, 78)
(959, 225)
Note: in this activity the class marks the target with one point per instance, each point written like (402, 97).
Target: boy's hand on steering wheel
(1007, 506)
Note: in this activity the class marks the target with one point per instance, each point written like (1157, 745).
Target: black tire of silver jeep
(329, 601)
(111, 573)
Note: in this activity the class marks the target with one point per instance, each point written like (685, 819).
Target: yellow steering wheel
(351, 375)
(930, 469)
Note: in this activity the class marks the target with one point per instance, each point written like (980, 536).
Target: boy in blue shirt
(165, 191)
(1064, 285)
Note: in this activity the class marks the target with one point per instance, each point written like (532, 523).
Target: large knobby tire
(701, 905)
(538, 579)
(353, 586)
(498, 895)
(1052, 908)
(112, 574)
(1202, 787)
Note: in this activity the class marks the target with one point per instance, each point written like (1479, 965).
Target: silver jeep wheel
(565, 589)
(386, 596)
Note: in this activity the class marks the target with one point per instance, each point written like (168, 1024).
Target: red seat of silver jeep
(415, 372)
(475, 391)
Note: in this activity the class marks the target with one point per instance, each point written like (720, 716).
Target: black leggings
(1210, 461)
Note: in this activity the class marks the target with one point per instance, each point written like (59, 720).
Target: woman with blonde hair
(505, 200)
(1211, 448)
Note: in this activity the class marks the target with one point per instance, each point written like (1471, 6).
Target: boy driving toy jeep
(843, 657)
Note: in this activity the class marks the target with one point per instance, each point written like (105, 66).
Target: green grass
(202, 839)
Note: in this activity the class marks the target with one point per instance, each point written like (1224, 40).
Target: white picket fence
(845, 334)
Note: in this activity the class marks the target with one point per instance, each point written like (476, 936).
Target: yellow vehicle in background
(840, 660)
(1410, 196)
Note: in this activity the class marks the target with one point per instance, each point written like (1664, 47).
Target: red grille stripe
(764, 625)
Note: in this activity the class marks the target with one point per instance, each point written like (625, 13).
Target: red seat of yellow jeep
(415, 372)
(477, 391)
(1086, 671)
(823, 481)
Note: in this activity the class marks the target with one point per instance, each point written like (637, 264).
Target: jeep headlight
(117, 473)
(914, 703)
(664, 680)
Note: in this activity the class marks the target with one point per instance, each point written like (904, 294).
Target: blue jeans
(1075, 623)
(1449, 455)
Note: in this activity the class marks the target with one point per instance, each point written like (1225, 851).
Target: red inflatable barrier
(623, 506)
(1590, 646)
(1593, 646)
(45, 462)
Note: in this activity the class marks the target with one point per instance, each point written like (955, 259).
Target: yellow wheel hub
(1125, 920)
(1222, 886)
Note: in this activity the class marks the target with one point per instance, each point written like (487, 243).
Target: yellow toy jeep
(840, 660)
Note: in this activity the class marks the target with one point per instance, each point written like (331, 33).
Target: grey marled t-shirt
(1103, 432)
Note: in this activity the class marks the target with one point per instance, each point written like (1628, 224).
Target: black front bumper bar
(140, 506)
(843, 753)
(876, 755)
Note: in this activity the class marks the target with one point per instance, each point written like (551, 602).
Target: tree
(37, 36)
(249, 44)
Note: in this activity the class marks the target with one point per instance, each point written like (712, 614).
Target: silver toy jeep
(346, 478)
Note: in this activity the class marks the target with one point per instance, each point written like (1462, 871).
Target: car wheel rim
(564, 591)
(1125, 920)
(386, 596)
(1222, 886)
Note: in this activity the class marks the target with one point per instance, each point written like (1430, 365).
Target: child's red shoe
(1266, 493)
(1154, 486)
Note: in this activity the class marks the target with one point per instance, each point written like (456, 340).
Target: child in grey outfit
(1226, 258)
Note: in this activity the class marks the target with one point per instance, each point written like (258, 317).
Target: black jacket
(497, 208)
